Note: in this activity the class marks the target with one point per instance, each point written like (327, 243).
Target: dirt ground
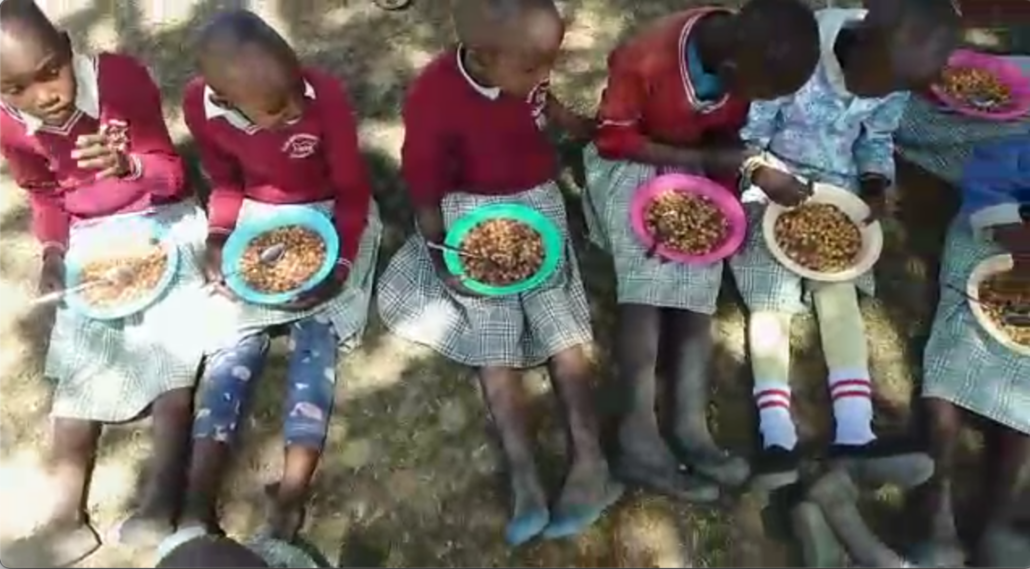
(410, 475)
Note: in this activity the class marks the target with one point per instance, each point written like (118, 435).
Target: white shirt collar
(831, 22)
(87, 97)
(489, 92)
(234, 117)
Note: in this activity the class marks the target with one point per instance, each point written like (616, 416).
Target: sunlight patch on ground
(25, 489)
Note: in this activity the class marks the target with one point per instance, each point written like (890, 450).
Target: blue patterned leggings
(311, 385)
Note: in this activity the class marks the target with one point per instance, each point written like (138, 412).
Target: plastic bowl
(723, 199)
(282, 216)
(1007, 72)
(855, 209)
(554, 245)
(141, 228)
(987, 268)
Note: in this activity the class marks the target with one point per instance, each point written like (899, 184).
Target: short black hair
(30, 20)
(211, 551)
(481, 23)
(914, 30)
(222, 37)
(784, 35)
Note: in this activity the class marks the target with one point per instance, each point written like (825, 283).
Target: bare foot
(60, 543)
(588, 491)
(283, 519)
(708, 459)
(646, 461)
(144, 529)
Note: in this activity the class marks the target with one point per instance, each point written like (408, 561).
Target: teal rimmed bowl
(550, 234)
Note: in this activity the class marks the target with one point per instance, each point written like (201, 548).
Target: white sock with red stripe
(775, 422)
(852, 394)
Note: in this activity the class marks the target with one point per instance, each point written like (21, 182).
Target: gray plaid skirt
(641, 280)
(765, 284)
(522, 330)
(227, 321)
(962, 363)
(111, 370)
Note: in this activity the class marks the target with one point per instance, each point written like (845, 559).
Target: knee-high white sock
(769, 341)
(844, 344)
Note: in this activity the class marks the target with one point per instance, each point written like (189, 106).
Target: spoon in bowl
(456, 250)
(119, 276)
(269, 256)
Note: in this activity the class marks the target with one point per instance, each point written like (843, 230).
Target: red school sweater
(461, 136)
(60, 193)
(314, 159)
(649, 95)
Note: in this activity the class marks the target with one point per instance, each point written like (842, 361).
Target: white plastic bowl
(854, 208)
(989, 267)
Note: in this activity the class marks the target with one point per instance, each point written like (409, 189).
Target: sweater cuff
(1002, 214)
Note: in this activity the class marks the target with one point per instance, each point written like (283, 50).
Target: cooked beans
(819, 237)
(975, 87)
(143, 270)
(688, 223)
(512, 252)
(1001, 294)
(303, 255)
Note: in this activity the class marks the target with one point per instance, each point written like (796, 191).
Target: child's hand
(720, 162)
(781, 187)
(213, 266)
(325, 291)
(449, 280)
(873, 189)
(51, 277)
(102, 151)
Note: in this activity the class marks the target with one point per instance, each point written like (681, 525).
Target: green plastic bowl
(554, 244)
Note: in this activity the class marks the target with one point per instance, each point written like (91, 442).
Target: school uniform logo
(300, 146)
(538, 103)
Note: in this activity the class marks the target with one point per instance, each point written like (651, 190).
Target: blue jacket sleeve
(992, 180)
(763, 119)
(874, 149)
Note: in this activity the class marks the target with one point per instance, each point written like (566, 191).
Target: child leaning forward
(494, 151)
(272, 133)
(676, 97)
(100, 168)
(836, 129)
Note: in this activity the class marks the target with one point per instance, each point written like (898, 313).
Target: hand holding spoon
(116, 276)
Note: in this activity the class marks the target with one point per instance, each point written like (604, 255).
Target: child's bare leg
(68, 537)
(311, 391)
(942, 548)
(644, 457)
(155, 519)
(1004, 542)
(842, 331)
(693, 341)
(505, 400)
(589, 488)
(223, 398)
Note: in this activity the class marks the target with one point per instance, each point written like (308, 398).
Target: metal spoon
(455, 250)
(116, 276)
(269, 256)
(1014, 316)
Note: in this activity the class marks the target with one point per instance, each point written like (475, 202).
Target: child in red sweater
(97, 161)
(271, 132)
(677, 94)
(494, 151)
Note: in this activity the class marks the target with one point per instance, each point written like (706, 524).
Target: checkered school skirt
(519, 331)
(765, 284)
(962, 363)
(641, 280)
(229, 320)
(112, 370)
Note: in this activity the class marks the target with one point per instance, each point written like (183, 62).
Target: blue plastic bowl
(283, 216)
(73, 265)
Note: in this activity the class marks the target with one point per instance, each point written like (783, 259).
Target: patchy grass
(410, 474)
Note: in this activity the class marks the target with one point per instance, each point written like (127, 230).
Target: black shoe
(881, 462)
(774, 468)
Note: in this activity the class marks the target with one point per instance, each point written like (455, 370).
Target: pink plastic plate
(720, 196)
(1006, 72)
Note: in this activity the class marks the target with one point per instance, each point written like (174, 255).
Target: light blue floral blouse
(823, 132)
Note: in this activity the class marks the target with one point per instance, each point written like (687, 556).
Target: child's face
(37, 79)
(877, 69)
(262, 89)
(519, 70)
